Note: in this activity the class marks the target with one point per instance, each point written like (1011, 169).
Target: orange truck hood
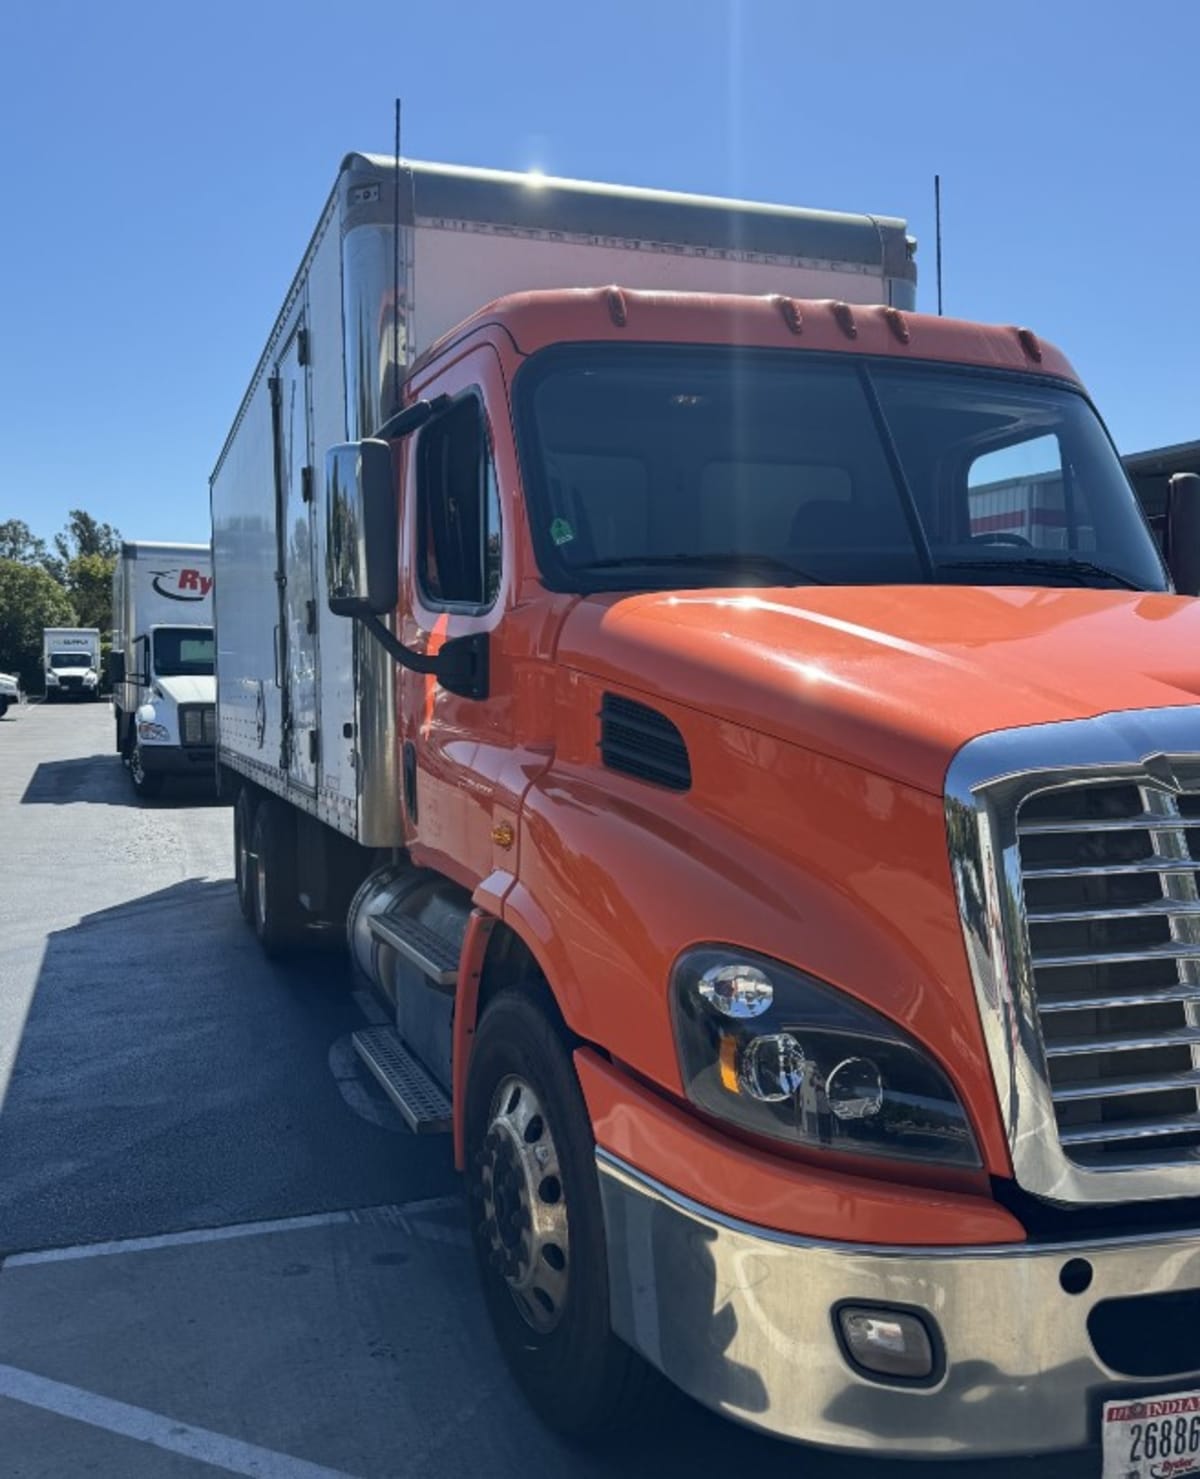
(893, 678)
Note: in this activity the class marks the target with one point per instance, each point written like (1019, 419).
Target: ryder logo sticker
(187, 584)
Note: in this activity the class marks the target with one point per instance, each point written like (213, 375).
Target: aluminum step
(425, 1107)
(429, 952)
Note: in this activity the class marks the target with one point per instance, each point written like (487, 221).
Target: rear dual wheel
(276, 915)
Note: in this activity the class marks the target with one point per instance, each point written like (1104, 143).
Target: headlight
(153, 732)
(781, 1054)
(51, 676)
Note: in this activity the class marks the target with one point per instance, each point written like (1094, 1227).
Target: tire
(120, 737)
(148, 784)
(558, 1343)
(277, 919)
(3, 706)
(243, 855)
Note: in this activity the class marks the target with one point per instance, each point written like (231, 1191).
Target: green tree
(30, 599)
(89, 585)
(85, 535)
(19, 542)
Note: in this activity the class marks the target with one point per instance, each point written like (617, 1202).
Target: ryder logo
(182, 585)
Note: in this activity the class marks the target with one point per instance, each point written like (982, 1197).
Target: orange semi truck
(751, 742)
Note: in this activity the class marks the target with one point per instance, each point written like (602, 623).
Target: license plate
(1152, 1437)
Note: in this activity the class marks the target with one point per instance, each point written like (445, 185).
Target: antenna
(396, 274)
(937, 211)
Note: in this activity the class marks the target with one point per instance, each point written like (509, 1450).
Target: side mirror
(361, 539)
(116, 667)
(1183, 532)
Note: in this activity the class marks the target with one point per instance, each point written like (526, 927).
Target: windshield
(660, 468)
(70, 660)
(183, 652)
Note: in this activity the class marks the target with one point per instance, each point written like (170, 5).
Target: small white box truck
(71, 662)
(164, 692)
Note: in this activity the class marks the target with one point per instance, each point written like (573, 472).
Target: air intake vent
(641, 742)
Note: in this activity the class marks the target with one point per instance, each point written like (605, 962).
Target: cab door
(455, 581)
(296, 637)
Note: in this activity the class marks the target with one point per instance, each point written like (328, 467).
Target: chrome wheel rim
(524, 1227)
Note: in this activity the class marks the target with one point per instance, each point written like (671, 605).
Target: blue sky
(163, 166)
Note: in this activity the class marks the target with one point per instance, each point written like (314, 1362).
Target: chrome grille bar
(1130, 1130)
(1117, 999)
(1115, 1087)
(1174, 951)
(1077, 1047)
(1152, 865)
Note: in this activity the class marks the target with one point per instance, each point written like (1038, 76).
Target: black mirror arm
(461, 666)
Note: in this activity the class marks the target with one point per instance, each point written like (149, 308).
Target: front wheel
(538, 1227)
(147, 783)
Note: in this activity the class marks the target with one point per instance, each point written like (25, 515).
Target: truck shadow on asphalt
(102, 780)
(169, 1078)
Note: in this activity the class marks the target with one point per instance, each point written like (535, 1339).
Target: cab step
(425, 1107)
(430, 952)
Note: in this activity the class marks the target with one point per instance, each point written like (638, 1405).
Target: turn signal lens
(772, 1068)
(737, 990)
(888, 1342)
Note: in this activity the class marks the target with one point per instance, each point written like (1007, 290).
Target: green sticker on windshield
(561, 532)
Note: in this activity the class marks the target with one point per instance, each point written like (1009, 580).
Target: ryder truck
(779, 878)
(164, 700)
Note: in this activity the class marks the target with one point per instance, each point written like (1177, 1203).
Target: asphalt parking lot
(222, 1251)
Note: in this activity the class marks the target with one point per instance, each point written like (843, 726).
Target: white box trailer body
(71, 662)
(162, 650)
(305, 703)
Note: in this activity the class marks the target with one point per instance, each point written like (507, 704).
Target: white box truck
(71, 662)
(164, 692)
(780, 875)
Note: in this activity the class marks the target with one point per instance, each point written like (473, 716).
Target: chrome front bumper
(741, 1318)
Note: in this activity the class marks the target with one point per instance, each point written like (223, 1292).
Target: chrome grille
(198, 724)
(1110, 875)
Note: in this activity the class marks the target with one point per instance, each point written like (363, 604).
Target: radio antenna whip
(937, 212)
(396, 274)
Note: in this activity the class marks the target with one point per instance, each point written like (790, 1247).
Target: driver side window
(458, 510)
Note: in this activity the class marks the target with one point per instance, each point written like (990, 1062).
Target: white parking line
(392, 1213)
(144, 1426)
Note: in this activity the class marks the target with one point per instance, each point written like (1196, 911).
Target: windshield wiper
(719, 560)
(1028, 563)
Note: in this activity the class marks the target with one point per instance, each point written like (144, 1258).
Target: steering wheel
(999, 537)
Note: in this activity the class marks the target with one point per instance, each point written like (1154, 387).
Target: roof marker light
(1029, 343)
(897, 324)
(790, 311)
(844, 315)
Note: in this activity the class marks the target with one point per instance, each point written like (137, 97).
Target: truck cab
(173, 728)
